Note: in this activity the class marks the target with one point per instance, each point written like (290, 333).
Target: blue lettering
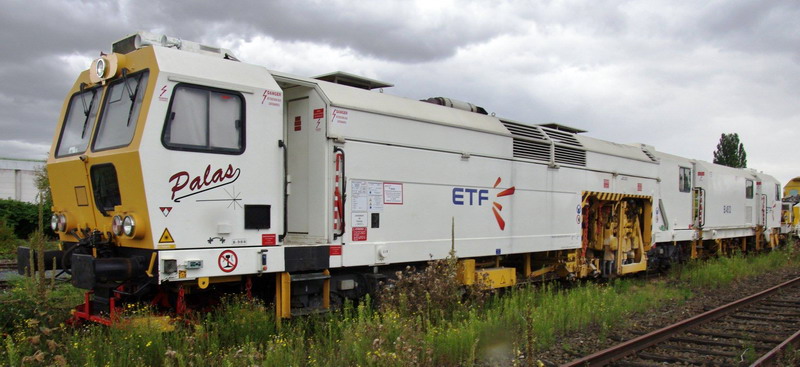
(458, 196)
(483, 195)
(471, 193)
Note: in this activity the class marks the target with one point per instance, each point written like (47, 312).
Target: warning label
(359, 234)
(340, 116)
(166, 237)
(268, 239)
(272, 98)
(393, 193)
(227, 261)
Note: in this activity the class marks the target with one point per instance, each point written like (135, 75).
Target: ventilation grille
(575, 156)
(536, 150)
(649, 154)
(539, 149)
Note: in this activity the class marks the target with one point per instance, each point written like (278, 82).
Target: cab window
(79, 122)
(684, 179)
(205, 120)
(120, 112)
(748, 191)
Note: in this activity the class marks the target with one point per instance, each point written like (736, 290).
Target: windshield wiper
(83, 100)
(133, 97)
(86, 112)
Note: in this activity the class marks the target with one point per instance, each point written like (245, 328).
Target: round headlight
(62, 222)
(54, 222)
(116, 225)
(100, 67)
(128, 226)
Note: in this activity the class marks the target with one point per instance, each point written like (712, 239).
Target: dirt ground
(585, 342)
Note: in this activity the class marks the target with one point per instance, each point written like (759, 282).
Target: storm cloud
(671, 74)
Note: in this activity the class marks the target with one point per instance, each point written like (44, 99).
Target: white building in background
(18, 179)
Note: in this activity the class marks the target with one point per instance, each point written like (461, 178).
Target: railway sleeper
(717, 343)
(762, 319)
(752, 323)
(754, 320)
(774, 313)
(708, 352)
(670, 359)
(729, 335)
(635, 364)
(782, 304)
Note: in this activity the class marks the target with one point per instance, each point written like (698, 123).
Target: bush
(23, 217)
(8, 239)
(433, 293)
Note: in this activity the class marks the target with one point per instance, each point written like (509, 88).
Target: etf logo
(468, 196)
(460, 192)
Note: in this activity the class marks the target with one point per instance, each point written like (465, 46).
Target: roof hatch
(352, 80)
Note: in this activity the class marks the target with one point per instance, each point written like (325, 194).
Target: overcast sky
(671, 74)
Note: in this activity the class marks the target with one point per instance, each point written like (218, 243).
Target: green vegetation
(730, 152)
(19, 220)
(423, 320)
(21, 216)
(722, 271)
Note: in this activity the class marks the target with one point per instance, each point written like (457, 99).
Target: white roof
(20, 164)
(372, 101)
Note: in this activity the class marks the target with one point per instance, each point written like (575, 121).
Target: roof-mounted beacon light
(103, 68)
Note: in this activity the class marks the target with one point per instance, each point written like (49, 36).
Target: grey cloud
(385, 30)
(664, 73)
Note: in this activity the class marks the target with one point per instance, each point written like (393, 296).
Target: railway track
(8, 265)
(763, 324)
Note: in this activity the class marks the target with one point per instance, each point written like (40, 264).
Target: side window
(205, 120)
(684, 179)
(777, 192)
(748, 191)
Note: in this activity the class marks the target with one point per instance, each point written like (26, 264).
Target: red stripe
(498, 206)
(500, 220)
(506, 192)
(497, 182)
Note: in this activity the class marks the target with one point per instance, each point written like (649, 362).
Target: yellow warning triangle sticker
(166, 237)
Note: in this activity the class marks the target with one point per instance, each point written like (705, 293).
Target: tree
(730, 152)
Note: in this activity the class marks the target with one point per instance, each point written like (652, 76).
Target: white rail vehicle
(714, 202)
(200, 169)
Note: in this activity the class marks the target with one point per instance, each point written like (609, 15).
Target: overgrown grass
(497, 330)
(719, 272)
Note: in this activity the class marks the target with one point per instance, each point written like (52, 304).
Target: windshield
(120, 112)
(79, 122)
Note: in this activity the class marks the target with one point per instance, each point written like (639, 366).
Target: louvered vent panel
(650, 155)
(525, 130)
(539, 151)
(565, 155)
(563, 137)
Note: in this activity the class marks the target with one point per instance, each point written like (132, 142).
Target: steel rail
(770, 359)
(634, 345)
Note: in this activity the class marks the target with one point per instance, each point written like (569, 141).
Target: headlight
(54, 222)
(100, 67)
(116, 225)
(62, 222)
(128, 226)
